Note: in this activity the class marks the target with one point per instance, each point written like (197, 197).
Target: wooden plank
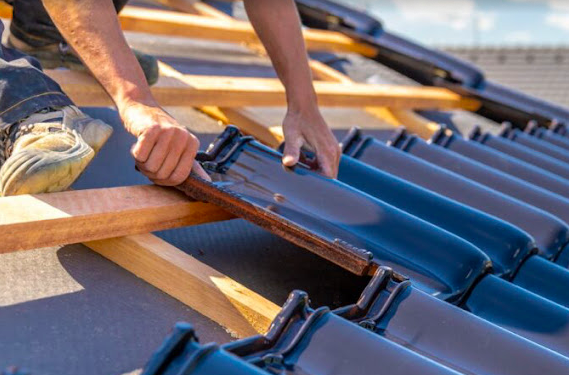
(42, 220)
(195, 284)
(85, 91)
(326, 73)
(176, 89)
(74, 216)
(163, 22)
(270, 92)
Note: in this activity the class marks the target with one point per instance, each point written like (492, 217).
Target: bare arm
(165, 150)
(278, 25)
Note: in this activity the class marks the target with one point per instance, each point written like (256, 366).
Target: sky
(474, 22)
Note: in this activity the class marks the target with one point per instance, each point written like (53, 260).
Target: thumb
(199, 171)
(291, 153)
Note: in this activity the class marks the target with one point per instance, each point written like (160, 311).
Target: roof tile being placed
(333, 219)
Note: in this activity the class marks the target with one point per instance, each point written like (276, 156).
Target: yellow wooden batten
(176, 89)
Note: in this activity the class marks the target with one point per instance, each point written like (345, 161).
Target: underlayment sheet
(70, 311)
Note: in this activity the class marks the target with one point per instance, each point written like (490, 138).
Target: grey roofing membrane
(70, 311)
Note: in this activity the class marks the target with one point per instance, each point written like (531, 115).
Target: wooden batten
(163, 22)
(240, 310)
(175, 89)
(42, 220)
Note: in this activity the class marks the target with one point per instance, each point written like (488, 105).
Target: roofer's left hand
(308, 128)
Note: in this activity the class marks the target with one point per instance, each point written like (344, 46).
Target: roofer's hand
(308, 128)
(165, 150)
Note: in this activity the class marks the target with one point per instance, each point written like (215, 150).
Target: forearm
(92, 29)
(279, 28)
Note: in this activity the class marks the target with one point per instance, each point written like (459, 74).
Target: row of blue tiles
(412, 333)
(533, 273)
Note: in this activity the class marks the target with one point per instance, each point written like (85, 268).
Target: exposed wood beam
(42, 220)
(216, 296)
(176, 89)
(173, 23)
(270, 92)
(326, 73)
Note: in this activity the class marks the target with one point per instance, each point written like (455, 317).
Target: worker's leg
(45, 142)
(33, 32)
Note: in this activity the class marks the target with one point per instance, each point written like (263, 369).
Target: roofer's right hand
(165, 150)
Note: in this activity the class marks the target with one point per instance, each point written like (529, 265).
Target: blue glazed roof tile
(393, 329)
